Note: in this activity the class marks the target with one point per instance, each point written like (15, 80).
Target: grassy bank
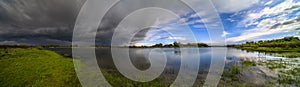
(35, 67)
(287, 44)
(270, 49)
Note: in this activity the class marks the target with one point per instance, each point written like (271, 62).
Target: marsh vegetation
(286, 44)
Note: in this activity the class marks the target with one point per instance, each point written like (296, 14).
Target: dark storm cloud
(52, 21)
(125, 7)
(37, 21)
(140, 35)
(38, 13)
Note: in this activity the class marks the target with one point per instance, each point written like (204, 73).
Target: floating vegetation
(249, 63)
(287, 71)
(232, 73)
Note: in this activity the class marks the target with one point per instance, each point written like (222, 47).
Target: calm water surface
(139, 56)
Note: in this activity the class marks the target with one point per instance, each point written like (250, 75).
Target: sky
(35, 22)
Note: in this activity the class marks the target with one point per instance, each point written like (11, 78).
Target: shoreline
(269, 49)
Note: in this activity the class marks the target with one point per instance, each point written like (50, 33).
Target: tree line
(286, 42)
(175, 44)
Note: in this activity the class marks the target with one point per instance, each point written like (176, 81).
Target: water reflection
(177, 51)
(140, 58)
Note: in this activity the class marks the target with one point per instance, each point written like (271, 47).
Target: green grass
(288, 74)
(286, 44)
(289, 77)
(232, 73)
(249, 63)
(270, 49)
(36, 67)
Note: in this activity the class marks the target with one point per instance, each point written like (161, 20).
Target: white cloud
(199, 26)
(251, 18)
(139, 44)
(231, 20)
(178, 38)
(272, 25)
(269, 2)
(208, 21)
(182, 20)
(261, 31)
(213, 43)
(201, 14)
(225, 33)
(208, 16)
(227, 6)
(223, 6)
(267, 23)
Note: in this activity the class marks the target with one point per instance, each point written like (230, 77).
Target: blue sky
(247, 20)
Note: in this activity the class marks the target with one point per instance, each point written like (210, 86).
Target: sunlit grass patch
(35, 67)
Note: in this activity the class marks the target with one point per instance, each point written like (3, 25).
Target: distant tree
(144, 46)
(50, 45)
(286, 42)
(158, 45)
(168, 45)
(176, 44)
(202, 45)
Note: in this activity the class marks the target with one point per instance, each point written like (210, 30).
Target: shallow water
(139, 57)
